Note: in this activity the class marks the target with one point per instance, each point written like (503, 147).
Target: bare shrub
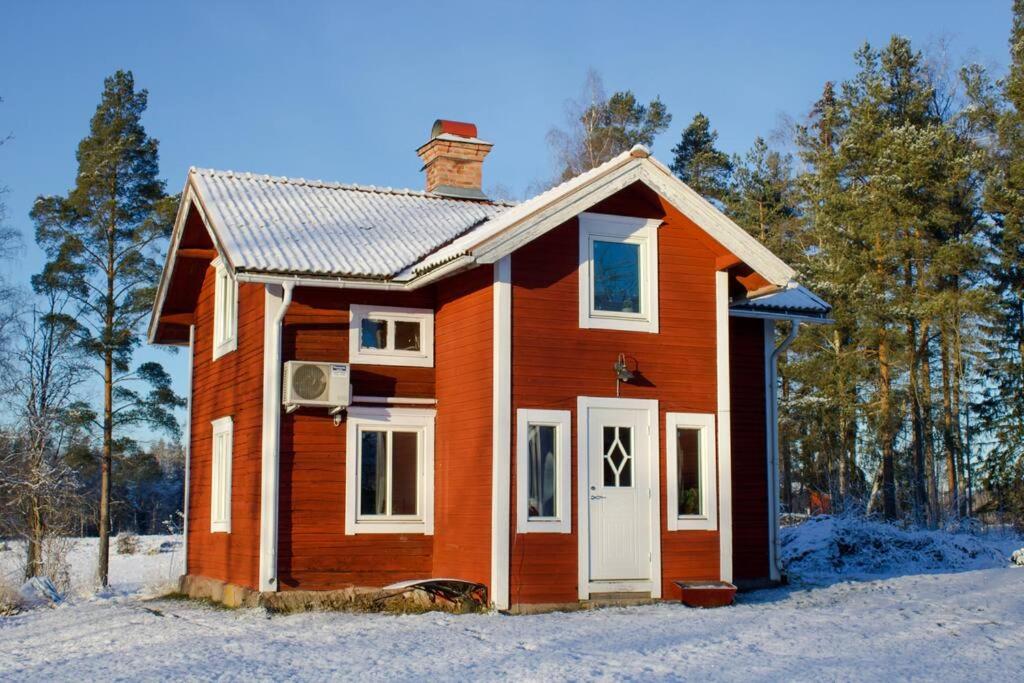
(127, 544)
(10, 601)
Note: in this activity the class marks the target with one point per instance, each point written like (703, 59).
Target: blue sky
(347, 91)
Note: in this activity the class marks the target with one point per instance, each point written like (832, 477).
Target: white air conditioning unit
(316, 384)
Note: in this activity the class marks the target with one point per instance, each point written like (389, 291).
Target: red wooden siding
(232, 386)
(463, 456)
(749, 460)
(554, 361)
(313, 551)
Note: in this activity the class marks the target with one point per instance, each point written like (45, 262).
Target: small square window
(690, 471)
(388, 335)
(618, 272)
(543, 471)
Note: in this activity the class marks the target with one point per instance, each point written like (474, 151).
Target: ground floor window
(543, 441)
(220, 476)
(389, 468)
(690, 471)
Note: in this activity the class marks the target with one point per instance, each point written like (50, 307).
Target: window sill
(362, 358)
(691, 524)
(387, 527)
(596, 322)
(545, 526)
(225, 348)
(220, 529)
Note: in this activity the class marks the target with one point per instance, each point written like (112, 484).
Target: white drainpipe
(772, 354)
(271, 447)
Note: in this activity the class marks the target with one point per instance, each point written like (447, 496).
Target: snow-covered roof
(281, 225)
(794, 301)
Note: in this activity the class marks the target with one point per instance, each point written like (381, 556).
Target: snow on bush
(1018, 557)
(127, 543)
(828, 547)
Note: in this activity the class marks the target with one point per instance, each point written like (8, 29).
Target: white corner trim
(561, 420)
(501, 434)
(419, 420)
(631, 230)
(771, 425)
(705, 423)
(275, 304)
(221, 426)
(224, 340)
(390, 314)
(724, 425)
(188, 449)
(583, 406)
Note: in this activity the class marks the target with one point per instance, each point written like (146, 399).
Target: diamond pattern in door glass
(618, 456)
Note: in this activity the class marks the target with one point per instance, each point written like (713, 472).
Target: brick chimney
(453, 159)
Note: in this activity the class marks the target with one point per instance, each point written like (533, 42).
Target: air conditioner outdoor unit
(316, 384)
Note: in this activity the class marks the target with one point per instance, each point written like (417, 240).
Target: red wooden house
(561, 398)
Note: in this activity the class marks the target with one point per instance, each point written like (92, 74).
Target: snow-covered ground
(908, 616)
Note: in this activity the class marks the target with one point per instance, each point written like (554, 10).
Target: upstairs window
(225, 311)
(388, 335)
(543, 471)
(691, 471)
(618, 272)
(389, 471)
(220, 476)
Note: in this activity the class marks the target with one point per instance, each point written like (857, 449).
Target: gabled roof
(280, 225)
(795, 301)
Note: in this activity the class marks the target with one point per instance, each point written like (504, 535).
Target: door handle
(596, 497)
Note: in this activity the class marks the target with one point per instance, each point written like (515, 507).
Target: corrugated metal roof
(796, 300)
(285, 225)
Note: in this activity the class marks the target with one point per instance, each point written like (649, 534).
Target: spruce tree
(102, 240)
(700, 164)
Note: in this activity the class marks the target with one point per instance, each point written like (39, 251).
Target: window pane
(688, 469)
(404, 474)
(407, 335)
(374, 334)
(373, 469)
(616, 277)
(618, 456)
(541, 460)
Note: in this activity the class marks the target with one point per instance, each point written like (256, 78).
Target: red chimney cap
(460, 128)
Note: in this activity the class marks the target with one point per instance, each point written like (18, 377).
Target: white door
(619, 492)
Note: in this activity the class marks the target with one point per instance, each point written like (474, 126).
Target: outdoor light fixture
(622, 372)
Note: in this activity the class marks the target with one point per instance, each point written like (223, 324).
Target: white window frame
(225, 323)
(631, 230)
(423, 358)
(705, 423)
(220, 474)
(561, 523)
(390, 419)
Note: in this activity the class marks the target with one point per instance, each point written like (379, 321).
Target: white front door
(619, 490)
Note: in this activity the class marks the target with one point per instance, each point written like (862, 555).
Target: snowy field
(872, 603)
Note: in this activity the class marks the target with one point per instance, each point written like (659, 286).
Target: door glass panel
(373, 334)
(407, 335)
(616, 277)
(688, 469)
(404, 475)
(373, 470)
(541, 467)
(618, 456)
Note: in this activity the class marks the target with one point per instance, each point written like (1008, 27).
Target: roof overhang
(795, 302)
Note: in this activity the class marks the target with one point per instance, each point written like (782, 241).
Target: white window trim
(705, 423)
(225, 338)
(423, 358)
(561, 523)
(634, 230)
(223, 425)
(390, 419)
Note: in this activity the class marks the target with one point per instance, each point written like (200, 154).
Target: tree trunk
(917, 436)
(885, 430)
(105, 463)
(929, 444)
(36, 531)
(948, 441)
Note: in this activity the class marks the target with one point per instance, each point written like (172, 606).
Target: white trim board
(585, 585)
(724, 425)
(501, 434)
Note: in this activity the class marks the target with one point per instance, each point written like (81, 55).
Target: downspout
(271, 438)
(188, 448)
(772, 429)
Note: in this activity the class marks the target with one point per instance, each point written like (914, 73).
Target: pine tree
(600, 127)
(1004, 201)
(700, 164)
(101, 240)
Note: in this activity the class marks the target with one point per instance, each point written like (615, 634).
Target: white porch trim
(724, 426)
(188, 447)
(501, 433)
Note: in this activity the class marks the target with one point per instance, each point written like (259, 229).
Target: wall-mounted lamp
(622, 372)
